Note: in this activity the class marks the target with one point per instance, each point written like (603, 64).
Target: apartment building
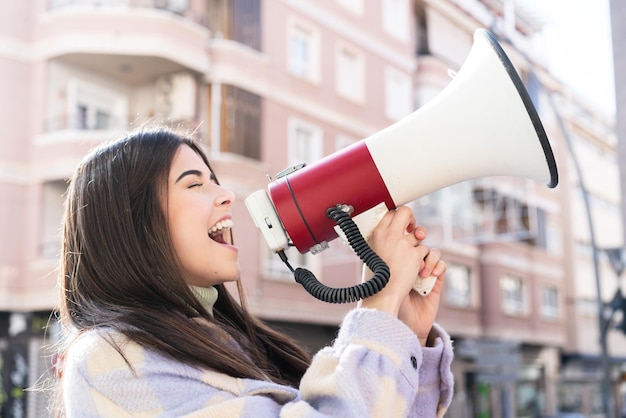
(269, 84)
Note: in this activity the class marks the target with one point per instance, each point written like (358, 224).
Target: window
(305, 142)
(421, 29)
(238, 20)
(538, 234)
(246, 22)
(91, 118)
(398, 94)
(554, 243)
(508, 217)
(458, 285)
(396, 15)
(81, 116)
(303, 52)
(350, 73)
(103, 119)
(544, 232)
(462, 216)
(95, 107)
(512, 295)
(241, 122)
(549, 302)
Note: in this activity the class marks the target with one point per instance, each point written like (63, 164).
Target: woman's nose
(224, 196)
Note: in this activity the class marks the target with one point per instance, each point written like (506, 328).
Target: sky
(578, 48)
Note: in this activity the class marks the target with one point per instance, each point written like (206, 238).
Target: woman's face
(198, 212)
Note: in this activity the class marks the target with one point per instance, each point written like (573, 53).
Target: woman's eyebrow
(189, 173)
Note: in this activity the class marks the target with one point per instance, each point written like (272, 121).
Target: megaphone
(482, 124)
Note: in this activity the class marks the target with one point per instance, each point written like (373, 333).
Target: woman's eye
(195, 185)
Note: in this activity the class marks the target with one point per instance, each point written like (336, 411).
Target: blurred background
(533, 295)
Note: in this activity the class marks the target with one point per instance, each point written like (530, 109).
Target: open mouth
(220, 232)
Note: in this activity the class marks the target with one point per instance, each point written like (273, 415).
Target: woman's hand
(395, 241)
(418, 312)
(398, 242)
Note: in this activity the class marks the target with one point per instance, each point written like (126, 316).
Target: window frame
(241, 104)
(454, 273)
(395, 18)
(308, 69)
(398, 94)
(343, 52)
(550, 304)
(317, 136)
(86, 100)
(511, 305)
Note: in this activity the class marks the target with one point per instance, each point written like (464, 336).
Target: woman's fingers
(420, 233)
(431, 261)
(386, 220)
(402, 220)
(440, 268)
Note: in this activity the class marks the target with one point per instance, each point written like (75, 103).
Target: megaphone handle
(424, 286)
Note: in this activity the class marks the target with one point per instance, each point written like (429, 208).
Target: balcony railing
(77, 123)
(178, 7)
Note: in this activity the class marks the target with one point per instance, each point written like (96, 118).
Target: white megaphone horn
(482, 124)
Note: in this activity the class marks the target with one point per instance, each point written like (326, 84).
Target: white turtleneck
(207, 296)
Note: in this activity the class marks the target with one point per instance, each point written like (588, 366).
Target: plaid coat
(375, 368)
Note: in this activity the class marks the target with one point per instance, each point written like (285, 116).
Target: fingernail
(438, 270)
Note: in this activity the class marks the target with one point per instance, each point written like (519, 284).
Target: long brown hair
(119, 270)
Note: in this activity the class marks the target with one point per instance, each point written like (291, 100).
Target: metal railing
(177, 7)
(77, 123)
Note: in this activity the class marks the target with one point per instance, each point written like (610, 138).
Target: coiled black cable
(362, 249)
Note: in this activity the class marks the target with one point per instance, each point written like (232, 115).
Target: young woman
(152, 331)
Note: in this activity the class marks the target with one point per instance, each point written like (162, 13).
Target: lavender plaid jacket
(375, 368)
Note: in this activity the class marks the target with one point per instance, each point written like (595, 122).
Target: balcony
(122, 35)
(85, 108)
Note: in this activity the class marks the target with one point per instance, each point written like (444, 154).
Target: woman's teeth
(218, 228)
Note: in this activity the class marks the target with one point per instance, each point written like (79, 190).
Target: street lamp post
(617, 257)
(607, 399)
